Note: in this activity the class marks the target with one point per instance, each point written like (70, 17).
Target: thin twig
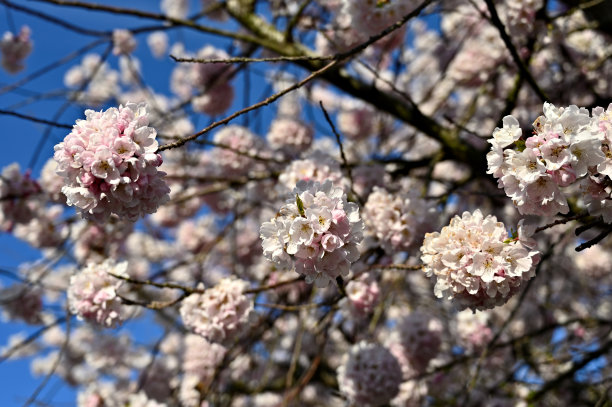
(349, 170)
(158, 285)
(57, 21)
(56, 364)
(512, 49)
(562, 221)
(273, 286)
(595, 240)
(249, 60)
(35, 119)
(255, 106)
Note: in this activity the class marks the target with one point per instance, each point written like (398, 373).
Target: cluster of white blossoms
(318, 166)
(92, 293)
(370, 17)
(568, 146)
(220, 312)
(175, 8)
(101, 83)
(317, 231)
(473, 330)
(369, 375)
(109, 164)
(399, 221)
(475, 262)
(123, 42)
(15, 48)
(158, 43)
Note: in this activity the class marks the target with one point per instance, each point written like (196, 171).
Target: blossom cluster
(200, 361)
(370, 17)
(92, 294)
(123, 42)
(15, 189)
(399, 221)
(99, 81)
(415, 341)
(210, 81)
(109, 164)
(220, 312)
(289, 135)
(475, 263)
(235, 145)
(568, 146)
(317, 231)
(363, 294)
(15, 48)
(369, 375)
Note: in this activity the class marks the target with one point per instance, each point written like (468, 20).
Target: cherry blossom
(317, 231)
(14, 49)
(475, 263)
(92, 294)
(109, 163)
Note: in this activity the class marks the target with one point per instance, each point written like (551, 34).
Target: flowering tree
(367, 216)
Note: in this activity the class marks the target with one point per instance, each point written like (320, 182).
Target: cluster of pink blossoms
(568, 146)
(369, 375)
(220, 312)
(92, 294)
(370, 17)
(415, 341)
(15, 189)
(363, 294)
(200, 362)
(15, 48)
(289, 135)
(399, 221)
(475, 262)
(109, 164)
(317, 230)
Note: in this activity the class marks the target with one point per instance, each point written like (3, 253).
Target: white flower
(508, 134)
